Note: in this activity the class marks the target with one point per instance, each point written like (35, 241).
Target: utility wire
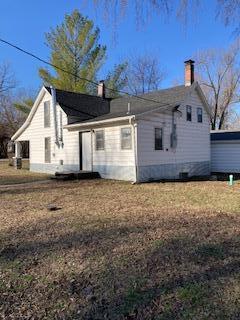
(75, 75)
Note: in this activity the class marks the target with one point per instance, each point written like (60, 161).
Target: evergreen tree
(75, 48)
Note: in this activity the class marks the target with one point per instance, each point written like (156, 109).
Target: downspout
(54, 108)
(92, 148)
(134, 128)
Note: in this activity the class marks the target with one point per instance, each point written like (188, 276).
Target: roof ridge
(77, 93)
(151, 92)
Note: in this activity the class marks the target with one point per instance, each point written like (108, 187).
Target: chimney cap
(190, 61)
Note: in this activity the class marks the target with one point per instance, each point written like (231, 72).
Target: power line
(75, 75)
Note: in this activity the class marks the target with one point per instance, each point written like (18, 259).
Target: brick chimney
(189, 72)
(101, 89)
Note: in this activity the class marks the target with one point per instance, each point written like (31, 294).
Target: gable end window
(46, 114)
(126, 138)
(158, 138)
(47, 147)
(99, 139)
(189, 113)
(199, 115)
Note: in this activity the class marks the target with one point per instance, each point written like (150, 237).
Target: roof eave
(31, 114)
(90, 124)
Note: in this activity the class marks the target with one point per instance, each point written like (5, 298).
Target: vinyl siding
(112, 156)
(36, 134)
(193, 138)
(225, 156)
(112, 153)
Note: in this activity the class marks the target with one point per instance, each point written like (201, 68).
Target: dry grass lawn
(119, 251)
(9, 175)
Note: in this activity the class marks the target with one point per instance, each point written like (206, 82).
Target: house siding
(225, 156)
(35, 133)
(113, 162)
(192, 153)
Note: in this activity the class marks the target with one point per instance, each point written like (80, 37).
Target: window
(61, 126)
(189, 113)
(47, 150)
(46, 114)
(158, 139)
(126, 138)
(99, 135)
(199, 115)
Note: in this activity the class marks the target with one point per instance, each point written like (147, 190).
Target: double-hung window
(46, 114)
(158, 138)
(126, 138)
(189, 113)
(99, 139)
(199, 115)
(47, 147)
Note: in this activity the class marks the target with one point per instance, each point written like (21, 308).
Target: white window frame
(198, 109)
(191, 113)
(47, 124)
(47, 160)
(103, 139)
(154, 133)
(121, 138)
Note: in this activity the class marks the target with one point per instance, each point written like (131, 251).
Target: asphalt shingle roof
(86, 108)
(225, 136)
(80, 107)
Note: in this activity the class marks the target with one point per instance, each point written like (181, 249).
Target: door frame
(80, 151)
(81, 155)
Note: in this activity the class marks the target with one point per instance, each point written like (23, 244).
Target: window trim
(121, 138)
(45, 158)
(188, 107)
(103, 139)
(162, 134)
(47, 125)
(201, 114)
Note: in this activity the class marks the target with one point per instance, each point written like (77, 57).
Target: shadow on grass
(184, 277)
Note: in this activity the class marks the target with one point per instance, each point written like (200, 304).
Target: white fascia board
(31, 114)
(91, 124)
(197, 87)
(219, 131)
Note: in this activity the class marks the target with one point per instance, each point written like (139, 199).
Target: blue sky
(25, 22)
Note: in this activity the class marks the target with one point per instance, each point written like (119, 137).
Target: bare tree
(144, 74)
(219, 76)
(229, 12)
(8, 115)
(7, 81)
(115, 10)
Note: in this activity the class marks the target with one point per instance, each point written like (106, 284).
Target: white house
(165, 134)
(225, 151)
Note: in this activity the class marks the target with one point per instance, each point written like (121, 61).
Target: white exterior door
(86, 151)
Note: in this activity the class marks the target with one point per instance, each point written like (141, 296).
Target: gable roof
(83, 107)
(86, 108)
(79, 106)
(225, 135)
(165, 99)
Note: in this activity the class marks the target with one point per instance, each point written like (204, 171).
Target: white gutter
(92, 123)
(134, 127)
